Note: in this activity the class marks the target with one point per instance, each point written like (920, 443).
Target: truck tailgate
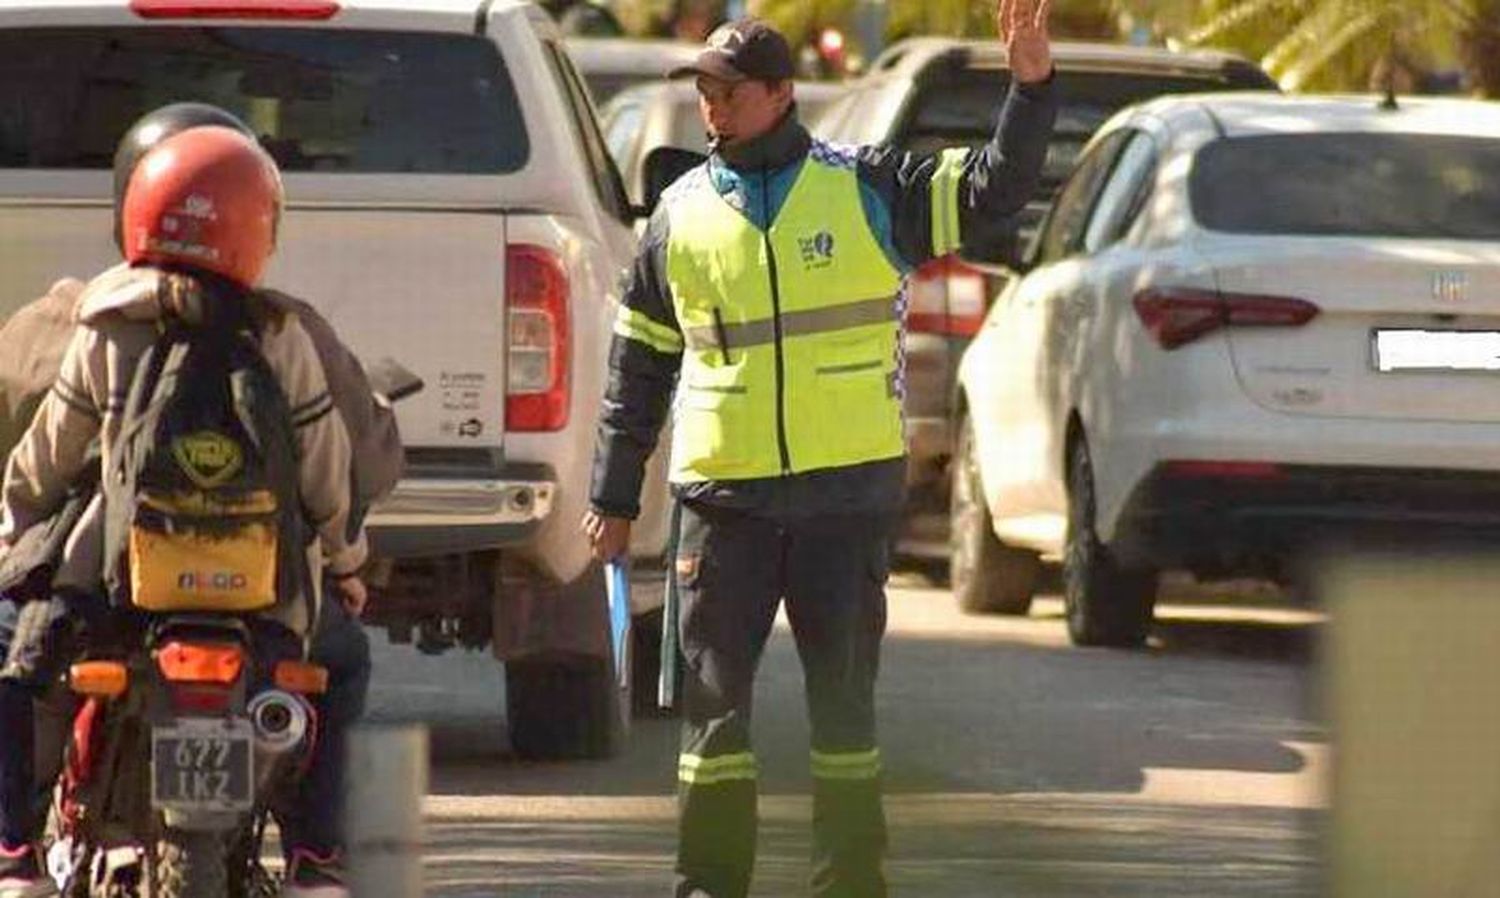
(425, 288)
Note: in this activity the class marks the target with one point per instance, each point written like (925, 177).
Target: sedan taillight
(536, 295)
(1176, 316)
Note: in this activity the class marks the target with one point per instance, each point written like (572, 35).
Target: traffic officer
(768, 291)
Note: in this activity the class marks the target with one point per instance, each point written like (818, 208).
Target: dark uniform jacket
(997, 181)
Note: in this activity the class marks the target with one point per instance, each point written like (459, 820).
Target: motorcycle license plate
(203, 765)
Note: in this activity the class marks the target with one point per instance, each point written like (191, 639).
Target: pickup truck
(451, 206)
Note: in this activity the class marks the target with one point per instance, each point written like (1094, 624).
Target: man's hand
(353, 595)
(609, 537)
(1023, 29)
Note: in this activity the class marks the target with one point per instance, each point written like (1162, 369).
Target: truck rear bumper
(434, 515)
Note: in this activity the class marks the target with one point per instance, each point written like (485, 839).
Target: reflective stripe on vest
(834, 368)
(811, 321)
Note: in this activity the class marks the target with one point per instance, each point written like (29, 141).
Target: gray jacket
(33, 340)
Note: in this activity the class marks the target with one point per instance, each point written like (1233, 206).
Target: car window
(622, 126)
(1350, 184)
(1064, 228)
(1124, 193)
(606, 177)
(327, 99)
(961, 107)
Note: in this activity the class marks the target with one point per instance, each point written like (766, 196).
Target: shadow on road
(964, 847)
(962, 714)
(1016, 765)
(1294, 643)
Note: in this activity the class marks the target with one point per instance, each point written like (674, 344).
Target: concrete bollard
(387, 779)
(1411, 667)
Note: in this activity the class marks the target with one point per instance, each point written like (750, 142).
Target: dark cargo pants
(733, 570)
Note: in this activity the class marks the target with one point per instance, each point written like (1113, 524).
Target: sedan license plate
(1414, 350)
(203, 765)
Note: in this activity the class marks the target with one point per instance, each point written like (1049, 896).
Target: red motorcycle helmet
(207, 198)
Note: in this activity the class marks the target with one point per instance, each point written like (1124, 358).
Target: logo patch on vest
(209, 459)
(817, 250)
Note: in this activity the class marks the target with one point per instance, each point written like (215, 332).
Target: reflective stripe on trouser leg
(847, 766)
(836, 567)
(717, 827)
(695, 770)
(849, 824)
(728, 578)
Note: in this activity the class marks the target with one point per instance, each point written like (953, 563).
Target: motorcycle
(183, 737)
(178, 749)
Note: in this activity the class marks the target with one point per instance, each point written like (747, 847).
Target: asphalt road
(1016, 765)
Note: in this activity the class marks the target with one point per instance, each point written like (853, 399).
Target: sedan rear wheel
(1107, 604)
(987, 575)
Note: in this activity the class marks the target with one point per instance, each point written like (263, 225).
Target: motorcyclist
(117, 317)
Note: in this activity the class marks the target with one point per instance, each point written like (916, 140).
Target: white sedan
(1250, 323)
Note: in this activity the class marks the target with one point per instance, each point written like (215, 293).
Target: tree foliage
(1342, 44)
(799, 20)
(1304, 44)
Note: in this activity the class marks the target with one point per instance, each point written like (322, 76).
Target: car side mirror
(663, 166)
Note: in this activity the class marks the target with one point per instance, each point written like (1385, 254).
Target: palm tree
(1338, 44)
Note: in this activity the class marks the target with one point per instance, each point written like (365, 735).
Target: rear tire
(565, 708)
(1106, 604)
(986, 574)
(192, 865)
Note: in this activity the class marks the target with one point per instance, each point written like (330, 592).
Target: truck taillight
(1176, 316)
(316, 10)
(947, 297)
(536, 295)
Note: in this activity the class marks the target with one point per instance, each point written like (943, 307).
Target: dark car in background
(925, 94)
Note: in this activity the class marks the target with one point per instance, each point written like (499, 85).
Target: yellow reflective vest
(790, 337)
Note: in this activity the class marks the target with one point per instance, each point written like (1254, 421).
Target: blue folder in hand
(617, 581)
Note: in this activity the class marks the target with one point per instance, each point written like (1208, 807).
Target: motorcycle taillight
(200, 663)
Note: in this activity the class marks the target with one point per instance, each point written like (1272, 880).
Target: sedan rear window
(1356, 184)
(320, 99)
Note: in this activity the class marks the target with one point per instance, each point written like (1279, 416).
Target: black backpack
(202, 506)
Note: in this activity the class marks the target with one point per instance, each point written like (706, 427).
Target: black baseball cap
(743, 50)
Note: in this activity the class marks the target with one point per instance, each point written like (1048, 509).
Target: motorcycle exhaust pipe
(281, 721)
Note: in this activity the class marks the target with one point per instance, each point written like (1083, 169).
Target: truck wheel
(565, 708)
(1106, 604)
(986, 574)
